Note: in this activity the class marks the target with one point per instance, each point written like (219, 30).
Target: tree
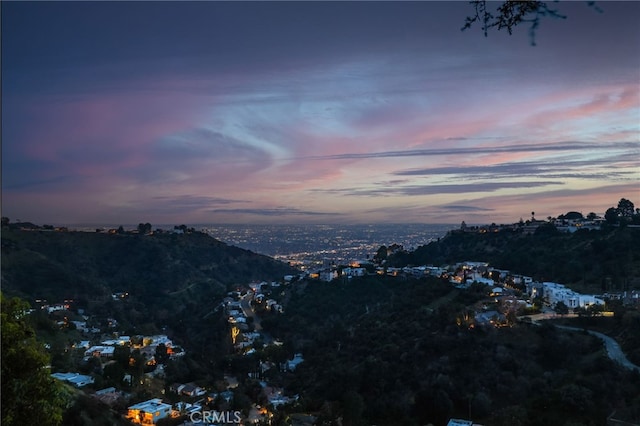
(481, 405)
(161, 354)
(121, 355)
(625, 208)
(114, 373)
(353, 408)
(29, 394)
(509, 14)
(144, 228)
(561, 308)
(595, 309)
(611, 215)
(381, 255)
(546, 229)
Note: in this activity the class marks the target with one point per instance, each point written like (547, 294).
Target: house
(234, 305)
(105, 391)
(276, 396)
(485, 281)
(191, 389)
(291, 365)
(84, 344)
(185, 408)
(123, 340)
(76, 379)
(109, 396)
(80, 325)
(416, 271)
(176, 388)
(226, 395)
(459, 422)
(496, 291)
(354, 272)
(434, 271)
(149, 412)
(394, 272)
(490, 318)
(56, 307)
(100, 351)
(328, 275)
(555, 293)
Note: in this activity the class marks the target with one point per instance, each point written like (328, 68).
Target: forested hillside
(164, 273)
(592, 261)
(391, 351)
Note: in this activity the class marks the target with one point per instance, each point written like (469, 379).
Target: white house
(555, 293)
(149, 412)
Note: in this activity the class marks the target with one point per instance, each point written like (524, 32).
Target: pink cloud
(95, 136)
(566, 108)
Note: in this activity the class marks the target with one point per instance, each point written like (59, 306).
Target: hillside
(592, 261)
(164, 269)
(397, 351)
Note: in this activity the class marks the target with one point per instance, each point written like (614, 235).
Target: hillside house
(328, 275)
(191, 389)
(148, 412)
(435, 271)
(554, 293)
(291, 365)
(100, 351)
(76, 379)
(176, 388)
(354, 272)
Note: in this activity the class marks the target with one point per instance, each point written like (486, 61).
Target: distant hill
(596, 260)
(88, 267)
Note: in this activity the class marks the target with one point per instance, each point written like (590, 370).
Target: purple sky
(324, 112)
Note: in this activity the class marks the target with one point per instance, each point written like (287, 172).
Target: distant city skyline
(314, 112)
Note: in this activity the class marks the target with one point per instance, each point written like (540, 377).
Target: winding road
(613, 348)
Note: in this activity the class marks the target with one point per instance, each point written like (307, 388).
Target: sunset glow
(322, 112)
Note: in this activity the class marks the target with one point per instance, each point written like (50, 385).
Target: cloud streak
(526, 148)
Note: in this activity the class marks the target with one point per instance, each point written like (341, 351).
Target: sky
(314, 112)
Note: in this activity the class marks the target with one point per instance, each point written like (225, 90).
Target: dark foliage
(89, 267)
(389, 351)
(591, 261)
